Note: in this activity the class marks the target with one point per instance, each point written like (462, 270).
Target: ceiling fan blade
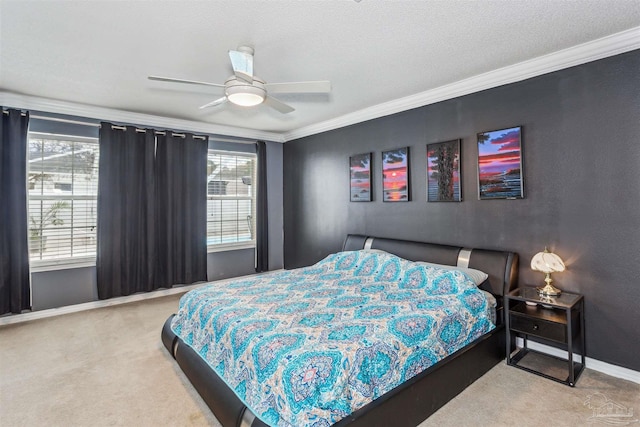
(242, 63)
(214, 103)
(278, 105)
(191, 82)
(299, 87)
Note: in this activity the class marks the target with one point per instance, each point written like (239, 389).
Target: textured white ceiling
(100, 52)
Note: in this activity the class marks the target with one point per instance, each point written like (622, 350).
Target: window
(231, 207)
(62, 199)
(62, 192)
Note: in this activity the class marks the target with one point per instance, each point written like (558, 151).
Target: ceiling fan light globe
(245, 99)
(245, 95)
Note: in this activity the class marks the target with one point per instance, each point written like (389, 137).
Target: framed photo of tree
(443, 172)
(500, 164)
(395, 175)
(360, 177)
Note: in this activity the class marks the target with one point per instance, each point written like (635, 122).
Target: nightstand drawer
(538, 327)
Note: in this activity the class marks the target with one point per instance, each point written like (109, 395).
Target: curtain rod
(160, 132)
(78, 122)
(7, 113)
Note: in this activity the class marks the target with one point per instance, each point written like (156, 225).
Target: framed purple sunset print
(395, 175)
(500, 164)
(443, 172)
(360, 177)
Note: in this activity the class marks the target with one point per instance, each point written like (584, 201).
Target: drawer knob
(535, 327)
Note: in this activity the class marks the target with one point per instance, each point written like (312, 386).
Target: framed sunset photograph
(360, 177)
(443, 172)
(395, 175)
(500, 164)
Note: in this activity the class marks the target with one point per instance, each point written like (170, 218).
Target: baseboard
(59, 311)
(596, 365)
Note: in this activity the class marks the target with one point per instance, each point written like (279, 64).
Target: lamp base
(548, 290)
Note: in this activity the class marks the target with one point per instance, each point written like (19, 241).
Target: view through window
(62, 192)
(231, 179)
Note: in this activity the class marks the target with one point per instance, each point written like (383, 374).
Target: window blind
(62, 179)
(231, 204)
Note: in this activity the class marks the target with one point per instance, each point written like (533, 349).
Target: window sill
(230, 247)
(41, 266)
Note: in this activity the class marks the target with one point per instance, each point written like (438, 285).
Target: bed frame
(411, 402)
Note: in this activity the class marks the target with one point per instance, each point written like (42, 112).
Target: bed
(404, 399)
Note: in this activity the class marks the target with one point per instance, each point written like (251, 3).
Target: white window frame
(38, 265)
(248, 244)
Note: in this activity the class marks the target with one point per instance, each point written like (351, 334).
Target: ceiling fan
(247, 90)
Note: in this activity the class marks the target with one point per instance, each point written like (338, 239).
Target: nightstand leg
(572, 379)
(508, 329)
(582, 336)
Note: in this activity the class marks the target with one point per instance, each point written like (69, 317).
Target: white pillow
(476, 276)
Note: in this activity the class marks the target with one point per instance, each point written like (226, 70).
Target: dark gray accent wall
(57, 288)
(223, 265)
(581, 142)
(275, 202)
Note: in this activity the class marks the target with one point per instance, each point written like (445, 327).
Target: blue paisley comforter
(307, 347)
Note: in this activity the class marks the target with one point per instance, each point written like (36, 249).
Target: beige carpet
(108, 367)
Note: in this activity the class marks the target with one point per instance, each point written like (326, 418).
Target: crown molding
(604, 47)
(27, 102)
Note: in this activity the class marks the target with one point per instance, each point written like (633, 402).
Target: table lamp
(547, 262)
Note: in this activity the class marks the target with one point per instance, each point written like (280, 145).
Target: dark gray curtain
(126, 255)
(15, 294)
(262, 216)
(181, 209)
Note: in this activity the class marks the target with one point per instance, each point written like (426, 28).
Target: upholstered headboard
(502, 267)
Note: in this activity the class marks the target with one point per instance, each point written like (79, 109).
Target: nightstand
(559, 319)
